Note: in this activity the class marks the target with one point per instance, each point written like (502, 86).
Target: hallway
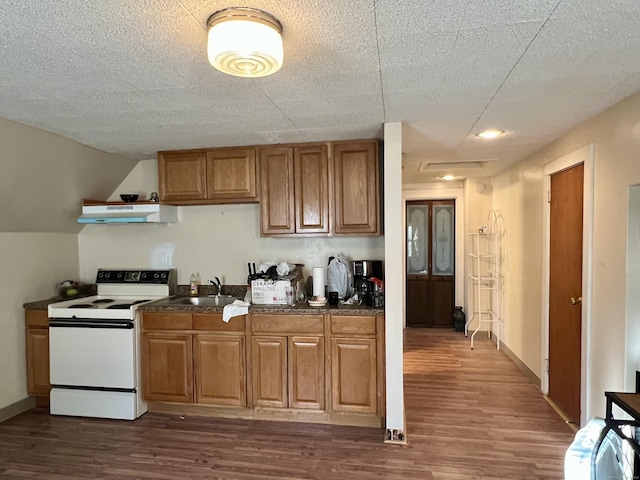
(475, 414)
(470, 415)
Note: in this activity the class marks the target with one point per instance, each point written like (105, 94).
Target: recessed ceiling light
(448, 178)
(490, 133)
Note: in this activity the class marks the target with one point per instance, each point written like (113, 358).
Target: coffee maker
(368, 291)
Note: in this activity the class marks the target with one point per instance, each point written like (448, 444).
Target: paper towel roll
(318, 282)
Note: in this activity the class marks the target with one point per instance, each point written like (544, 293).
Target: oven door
(95, 354)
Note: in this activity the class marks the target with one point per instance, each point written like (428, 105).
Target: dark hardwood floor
(470, 415)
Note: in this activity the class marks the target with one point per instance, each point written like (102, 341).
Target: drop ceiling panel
(133, 78)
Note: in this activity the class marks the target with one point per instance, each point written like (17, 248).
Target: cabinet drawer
(266, 323)
(166, 321)
(36, 318)
(353, 324)
(213, 322)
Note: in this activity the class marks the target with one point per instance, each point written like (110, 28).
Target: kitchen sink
(209, 301)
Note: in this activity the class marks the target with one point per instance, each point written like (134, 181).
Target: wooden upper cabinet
(311, 167)
(182, 176)
(356, 188)
(231, 175)
(277, 183)
(295, 190)
(224, 175)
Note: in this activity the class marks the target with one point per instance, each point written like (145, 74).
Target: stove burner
(119, 306)
(81, 305)
(103, 300)
(123, 306)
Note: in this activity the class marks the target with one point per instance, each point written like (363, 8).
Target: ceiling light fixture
(490, 133)
(448, 178)
(245, 42)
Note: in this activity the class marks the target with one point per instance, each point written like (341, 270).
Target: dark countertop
(165, 305)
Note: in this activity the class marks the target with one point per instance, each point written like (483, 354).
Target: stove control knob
(156, 275)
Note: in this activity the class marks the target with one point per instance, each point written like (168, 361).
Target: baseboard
(17, 408)
(519, 363)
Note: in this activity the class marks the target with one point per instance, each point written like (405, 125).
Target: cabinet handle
(575, 301)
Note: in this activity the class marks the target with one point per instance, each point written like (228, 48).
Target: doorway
(580, 307)
(430, 263)
(565, 290)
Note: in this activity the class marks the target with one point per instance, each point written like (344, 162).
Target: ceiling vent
(429, 167)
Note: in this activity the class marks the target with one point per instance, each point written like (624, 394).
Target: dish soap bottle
(193, 285)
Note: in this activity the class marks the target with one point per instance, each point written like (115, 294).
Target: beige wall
(45, 177)
(32, 264)
(518, 194)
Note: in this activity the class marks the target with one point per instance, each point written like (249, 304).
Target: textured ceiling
(132, 77)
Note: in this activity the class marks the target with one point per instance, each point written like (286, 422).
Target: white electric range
(94, 345)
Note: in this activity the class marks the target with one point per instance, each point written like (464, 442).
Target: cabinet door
(311, 166)
(167, 367)
(38, 361)
(231, 175)
(356, 183)
(182, 176)
(306, 372)
(269, 357)
(277, 191)
(219, 365)
(354, 375)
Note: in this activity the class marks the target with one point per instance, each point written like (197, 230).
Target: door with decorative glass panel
(430, 263)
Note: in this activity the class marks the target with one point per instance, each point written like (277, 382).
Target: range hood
(118, 212)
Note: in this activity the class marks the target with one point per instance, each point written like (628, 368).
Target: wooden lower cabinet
(318, 367)
(288, 372)
(354, 375)
(306, 372)
(192, 364)
(167, 373)
(37, 340)
(269, 358)
(219, 363)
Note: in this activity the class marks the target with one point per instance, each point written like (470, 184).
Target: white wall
(518, 193)
(394, 276)
(32, 264)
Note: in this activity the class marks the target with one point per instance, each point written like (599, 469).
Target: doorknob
(575, 301)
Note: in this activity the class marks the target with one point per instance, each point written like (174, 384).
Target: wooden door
(167, 367)
(231, 175)
(565, 290)
(430, 263)
(354, 375)
(357, 185)
(269, 359)
(219, 364)
(306, 372)
(277, 191)
(311, 165)
(182, 176)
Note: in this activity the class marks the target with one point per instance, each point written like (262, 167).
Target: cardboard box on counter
(270, 292)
